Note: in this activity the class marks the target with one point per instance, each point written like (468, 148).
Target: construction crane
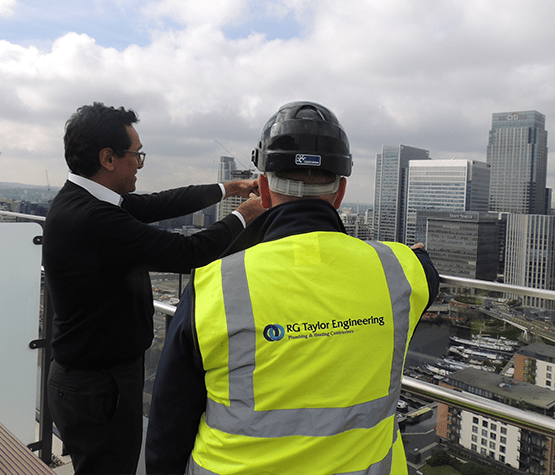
(47, 187)
(230, 154)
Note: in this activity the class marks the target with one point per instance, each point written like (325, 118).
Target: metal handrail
(497, 287)
(30, 217)
(480, 405)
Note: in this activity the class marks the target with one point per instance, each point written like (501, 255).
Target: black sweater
(97, 257)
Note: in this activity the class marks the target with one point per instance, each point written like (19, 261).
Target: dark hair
(91, 129)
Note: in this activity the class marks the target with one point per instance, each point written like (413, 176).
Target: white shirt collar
(96, 189)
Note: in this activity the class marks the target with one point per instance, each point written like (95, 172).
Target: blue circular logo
(274, 332)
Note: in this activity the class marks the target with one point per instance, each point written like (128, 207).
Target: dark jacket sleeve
(134, 244)
(152, 207)
(178, 399)
(432, 275)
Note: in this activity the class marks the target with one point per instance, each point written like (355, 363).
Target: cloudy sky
(426, 73)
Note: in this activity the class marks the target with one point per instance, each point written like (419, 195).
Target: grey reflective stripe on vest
(400, 291)
(241, 418)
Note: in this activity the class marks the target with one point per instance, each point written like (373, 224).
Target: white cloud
(193, 12)
(426, 73)
(7, 7)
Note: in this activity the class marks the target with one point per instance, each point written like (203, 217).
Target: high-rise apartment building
(390, 190)
(227, 165)
(517, 154)
(445, 185)
(530, 254)
(226, 173)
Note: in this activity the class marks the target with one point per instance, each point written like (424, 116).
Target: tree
(441, 457)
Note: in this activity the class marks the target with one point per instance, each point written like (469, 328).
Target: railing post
(45, 418)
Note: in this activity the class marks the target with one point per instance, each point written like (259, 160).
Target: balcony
(26, 302)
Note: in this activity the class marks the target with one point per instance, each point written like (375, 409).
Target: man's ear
(106, 158)
(264, 191)
(340, 193)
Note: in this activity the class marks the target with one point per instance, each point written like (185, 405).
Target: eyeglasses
(140, 156)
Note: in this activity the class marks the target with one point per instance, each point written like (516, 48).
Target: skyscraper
(517, 153)
(227, 165)
(444, 185)
(390, 190)
(464, 243)
(530, 254)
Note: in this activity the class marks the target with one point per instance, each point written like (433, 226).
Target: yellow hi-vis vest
(303, 341)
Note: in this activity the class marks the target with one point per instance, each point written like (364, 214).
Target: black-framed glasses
(140, 156)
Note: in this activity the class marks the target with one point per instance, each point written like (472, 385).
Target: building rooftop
(477, 381)
(539, 351)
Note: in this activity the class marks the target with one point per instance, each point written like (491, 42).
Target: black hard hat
(303, 135)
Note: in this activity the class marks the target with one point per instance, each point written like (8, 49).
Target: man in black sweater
(98, 251)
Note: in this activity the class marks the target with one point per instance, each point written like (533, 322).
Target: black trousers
(100, 416)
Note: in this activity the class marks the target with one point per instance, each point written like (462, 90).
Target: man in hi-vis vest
(286, 355)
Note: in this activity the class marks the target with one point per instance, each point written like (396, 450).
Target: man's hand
(242, 188)
(418, 245)
(251, 208)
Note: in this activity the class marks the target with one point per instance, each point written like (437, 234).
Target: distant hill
(24, 192)
(4, 184)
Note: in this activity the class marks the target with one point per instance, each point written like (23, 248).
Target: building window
(549, 368)
(484, 433)
(492, 435)
(484, 423)
(502, 458)
(503, 430)
(548, 383)
(475, 420)
(492, 445)
(502, 449)
(475, 429)
(484, 451)
(503, 440)
(493, 427)
(474, 438)
(474, 447)
(484, 442)
(548, 375)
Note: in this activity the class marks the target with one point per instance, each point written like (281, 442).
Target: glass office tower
(390, 190)
(530, 254)
(517, 153)
(444, 185)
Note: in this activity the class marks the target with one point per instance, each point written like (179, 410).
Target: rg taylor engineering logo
(274, 332)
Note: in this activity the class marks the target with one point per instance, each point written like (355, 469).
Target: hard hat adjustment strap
(287, 187)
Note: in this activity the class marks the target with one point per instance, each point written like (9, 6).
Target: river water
(430, 341)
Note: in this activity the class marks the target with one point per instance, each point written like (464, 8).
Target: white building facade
(490, 438)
